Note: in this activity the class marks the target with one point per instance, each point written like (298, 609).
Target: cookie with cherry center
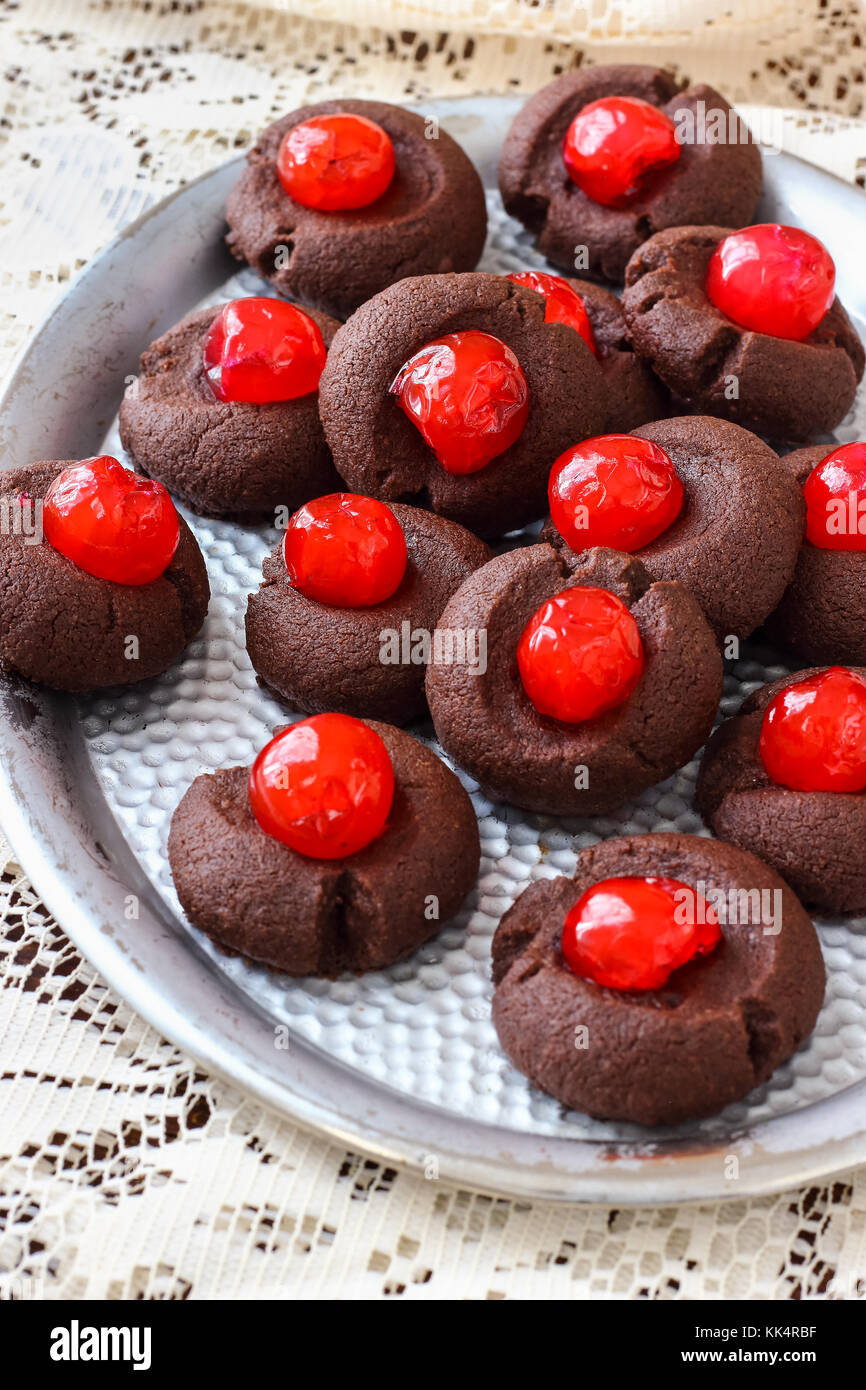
(669, 977)
(601, 158)
(345, 847)
(342, 198)
(746, 324)
(821, 615)
(456, 393)
(697, 500)
(101, 582)
(635, 394)
(225, 413)
(349, 601)
(786, 779)
(599, 681)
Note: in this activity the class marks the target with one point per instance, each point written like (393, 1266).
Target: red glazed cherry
(467, 395)
(835, 493)
(345, 550)
(580, 654)
(324, 787)
(632, 933)
(612, 143)
(772, 279)
(262, 350)
(614, 490)
(336, 163)
(110, 522)
(563, 304)
(813, 736)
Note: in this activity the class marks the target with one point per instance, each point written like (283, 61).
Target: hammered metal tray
(403, 1063)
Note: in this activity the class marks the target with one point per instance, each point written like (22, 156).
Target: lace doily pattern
(125, 1172)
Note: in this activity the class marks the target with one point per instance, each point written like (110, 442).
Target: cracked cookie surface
(820, 617)
(69, 630)
(319, 657)
(736, 541)
(635, 394)
(487, 723)
(433, 217)
(257, 897)
(710, 182)
(779, 388)
(718, 1028)
(227, 459)
(813, 839)
(381, 453)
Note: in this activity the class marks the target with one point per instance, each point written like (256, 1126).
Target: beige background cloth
(125, 1171)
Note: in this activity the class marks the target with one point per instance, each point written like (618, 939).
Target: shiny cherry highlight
(345, 550)
(580, 654)
(633, 933)
(468, 396)
(336, 162)
(813, 734)
(772, 279)
(614, 490)
(111, 522)
(835, 493)
(261, 350)
(562, 303)
(613, 144)
(324, 787)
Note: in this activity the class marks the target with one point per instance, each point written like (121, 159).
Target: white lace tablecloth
(125, 1172)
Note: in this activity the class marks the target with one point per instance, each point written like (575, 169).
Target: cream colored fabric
(125, 1172)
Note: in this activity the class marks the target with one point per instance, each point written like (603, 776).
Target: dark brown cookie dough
(787, 391)
(256, 896)
(488, 725)
(321, 657)
(433, 218)
(821, 616)
(718, 183)
(813, 839)
(222, 458)
(736, 541)
(635, 394)
(381, 453)
(720, 1026)
(64, 628)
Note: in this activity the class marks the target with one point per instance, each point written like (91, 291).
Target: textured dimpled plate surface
(424, 1026)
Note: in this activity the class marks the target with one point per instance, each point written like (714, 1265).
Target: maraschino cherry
(562, 303)
(336, 163)
(614, 490)
(263, 350)
(580, 654)
(633, 933)
(467, 394)
(324, 787)
(813, 735)
(835, 493)
(345, 550)
(110, 522)
(612, 144)
(772, 279)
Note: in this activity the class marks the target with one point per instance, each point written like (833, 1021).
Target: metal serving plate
(402, 1063)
